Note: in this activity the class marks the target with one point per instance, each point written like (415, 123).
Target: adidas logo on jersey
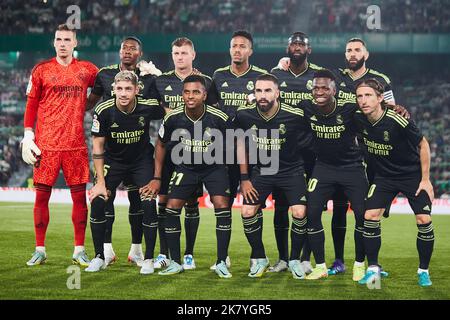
(168, 88)
(426, 208)
(114, 125)
(303, 198)
(283, 85)
(313, 118)
(342, 84)
(225, 85)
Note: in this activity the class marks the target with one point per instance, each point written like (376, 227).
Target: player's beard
(297, 60)
(267, 107)
(357, 65)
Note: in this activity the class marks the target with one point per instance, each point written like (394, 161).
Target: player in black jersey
(401, 158)
(295, 86)
(232, 87)
(338, 166)
(192, 133)
(169, 88)
(130, 53)
(121, 149)
(274, 130)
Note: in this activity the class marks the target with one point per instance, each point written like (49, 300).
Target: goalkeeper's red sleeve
(30, 112)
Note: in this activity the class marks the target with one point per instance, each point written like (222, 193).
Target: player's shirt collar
(132, 110)
(347, 71)
(379, 120)
(301, 73)
(241, 75)
(271, 117)
(330, 113)
(194, 121)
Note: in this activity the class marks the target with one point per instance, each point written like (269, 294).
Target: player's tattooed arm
(98, 150)
(153, 187)
(425, 183)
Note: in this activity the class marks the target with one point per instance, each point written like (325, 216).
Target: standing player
(295, 86)
(339, 165)
(121, 149)
(274, 129)
(356, 55)
(130, 53)
(232, 87)
(401, 158)
(57, 100)
(169, 89)
(193, 125)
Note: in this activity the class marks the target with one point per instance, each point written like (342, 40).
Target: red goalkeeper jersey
(61, 92)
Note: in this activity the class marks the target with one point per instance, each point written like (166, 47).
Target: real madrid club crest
(141, 121)
(386, 136)
(309, 85)
(208, 132)
(282, 128)
(140, 86)
(339, 119)
(250, 86)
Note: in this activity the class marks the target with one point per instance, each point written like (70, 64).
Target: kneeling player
(193, 129)
(401, 158)
(273, 129)
(122, 150)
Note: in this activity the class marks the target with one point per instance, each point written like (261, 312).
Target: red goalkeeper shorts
(74, 164)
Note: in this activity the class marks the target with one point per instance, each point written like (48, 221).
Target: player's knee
(373, 214)
(98, 208)
(298, 211)
(248, 211)
(423, 218)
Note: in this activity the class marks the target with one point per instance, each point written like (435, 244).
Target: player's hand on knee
(248, 191)
(284, 63)
(30, 151)
(426, 186)
(99, 190)
(151, 189)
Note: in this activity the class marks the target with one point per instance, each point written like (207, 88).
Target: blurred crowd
(427, 99)
(262, 16)
(403, 16)
(146, 16)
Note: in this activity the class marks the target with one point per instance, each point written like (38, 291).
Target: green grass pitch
(123, 281)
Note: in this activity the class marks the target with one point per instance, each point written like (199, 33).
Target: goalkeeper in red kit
(56, 102)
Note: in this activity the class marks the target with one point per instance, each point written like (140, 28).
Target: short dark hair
(356, 39)
(195, 78)
(268, 77)
(134, 38)
(65, 27)
(324, 73)
(372, 83)
(243, 33)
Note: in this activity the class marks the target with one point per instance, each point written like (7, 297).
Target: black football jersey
(391, 144)
(280, 145)
(103, 85)
(230, 91)
(127, 134)
(169, 89)
(334, 133)
(189, 140)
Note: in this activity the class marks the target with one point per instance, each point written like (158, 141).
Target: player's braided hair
(126, 75)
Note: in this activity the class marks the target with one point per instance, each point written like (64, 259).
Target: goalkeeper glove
(30, 150)
(148, 68)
